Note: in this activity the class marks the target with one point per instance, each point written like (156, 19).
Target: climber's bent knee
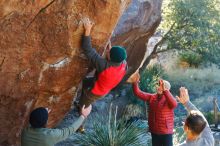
(88, 98)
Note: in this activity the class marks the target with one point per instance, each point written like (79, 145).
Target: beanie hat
(38, 117)
(118, 54)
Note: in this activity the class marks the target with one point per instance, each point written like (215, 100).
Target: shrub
(210, 117)
(149, 78)
(193, 59)
(108, 131)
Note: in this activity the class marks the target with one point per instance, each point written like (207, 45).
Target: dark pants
(87, 97)
(162, 139)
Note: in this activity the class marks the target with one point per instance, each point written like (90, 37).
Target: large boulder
(41, 60)
(136, 26)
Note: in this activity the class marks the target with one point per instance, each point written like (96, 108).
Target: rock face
(41, 62)
(136, 26)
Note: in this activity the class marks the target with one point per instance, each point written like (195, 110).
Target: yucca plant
(108, 131)
(179, 136)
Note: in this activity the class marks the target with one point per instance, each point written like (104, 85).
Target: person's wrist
(185, 103)
(165, 90)
(82, 115)
(87, 33)
(136, 82)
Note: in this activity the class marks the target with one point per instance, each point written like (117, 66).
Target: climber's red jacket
(109, 74)
(160, 112)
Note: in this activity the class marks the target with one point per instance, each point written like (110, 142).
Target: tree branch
(147, 60)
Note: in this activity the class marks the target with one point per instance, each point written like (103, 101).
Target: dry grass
(203, 84)
(199, 81)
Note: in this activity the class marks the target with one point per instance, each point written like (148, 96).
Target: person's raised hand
(86, 111)
(162, 85)
(135, 77)
(87, 26)
(184, 96)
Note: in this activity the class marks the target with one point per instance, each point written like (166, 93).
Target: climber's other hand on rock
(87, 25)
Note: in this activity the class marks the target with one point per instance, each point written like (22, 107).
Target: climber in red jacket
(160, 113)
(109, 71)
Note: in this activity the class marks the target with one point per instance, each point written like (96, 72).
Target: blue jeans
(162, 139)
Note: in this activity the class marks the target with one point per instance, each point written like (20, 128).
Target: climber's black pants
(162, 139)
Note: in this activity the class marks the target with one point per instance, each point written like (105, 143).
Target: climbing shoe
(81, 129)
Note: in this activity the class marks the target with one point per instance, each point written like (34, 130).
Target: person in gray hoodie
(36, 134)
(196, 127)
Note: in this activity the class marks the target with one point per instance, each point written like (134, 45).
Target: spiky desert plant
(108, 131)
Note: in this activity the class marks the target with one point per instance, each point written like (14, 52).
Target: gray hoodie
(206, 138)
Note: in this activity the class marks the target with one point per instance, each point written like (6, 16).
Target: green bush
(192, 26)
(108, 131)
(210, 117)
(193, 59)
(149, 78)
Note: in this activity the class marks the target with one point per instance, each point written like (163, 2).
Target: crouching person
(38, 135)
(198, 132)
